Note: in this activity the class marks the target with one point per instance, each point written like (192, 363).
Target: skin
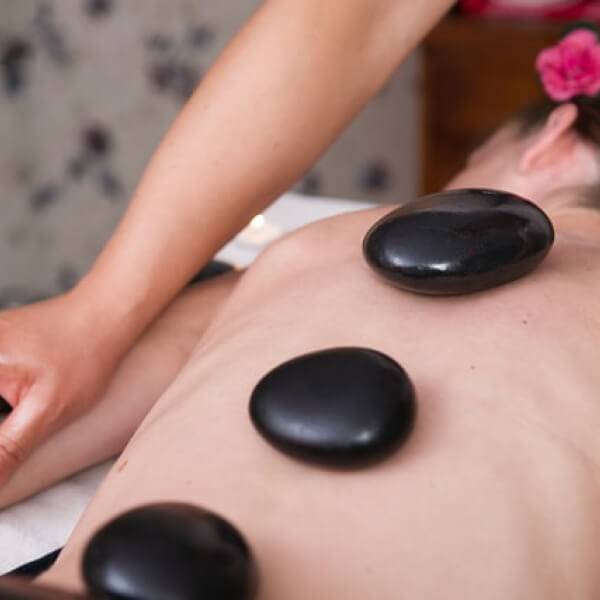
(494, 496)
(151, 365)
(283, 90)
(142, 376)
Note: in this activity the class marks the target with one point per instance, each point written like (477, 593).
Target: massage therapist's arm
(281, 92)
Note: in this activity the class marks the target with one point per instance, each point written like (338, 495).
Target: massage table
(39, 525)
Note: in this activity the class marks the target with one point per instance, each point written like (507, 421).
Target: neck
(570, 215)
(578, 222)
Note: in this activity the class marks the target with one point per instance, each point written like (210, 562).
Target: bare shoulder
(336, 236)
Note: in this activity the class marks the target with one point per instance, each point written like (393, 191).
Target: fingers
(20, 433)
(12, 455)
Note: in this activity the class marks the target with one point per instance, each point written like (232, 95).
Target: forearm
(277, 97)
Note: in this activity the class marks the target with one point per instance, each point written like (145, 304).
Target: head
(549, 154)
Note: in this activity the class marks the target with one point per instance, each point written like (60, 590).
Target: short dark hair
(587, 125)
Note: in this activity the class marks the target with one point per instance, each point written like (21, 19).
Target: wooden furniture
(476, 74)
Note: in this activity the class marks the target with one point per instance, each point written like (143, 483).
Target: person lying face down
(495, 493)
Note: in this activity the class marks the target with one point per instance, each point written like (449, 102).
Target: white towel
(41, 524)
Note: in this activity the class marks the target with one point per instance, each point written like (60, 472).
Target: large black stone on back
(169, 551)
(338, 407)
(15, 588)
(459, 241)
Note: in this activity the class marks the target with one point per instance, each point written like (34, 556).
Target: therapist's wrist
(107, 320)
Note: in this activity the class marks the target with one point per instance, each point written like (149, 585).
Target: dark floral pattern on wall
(87, 89)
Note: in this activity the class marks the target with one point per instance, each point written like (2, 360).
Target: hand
(54, 364)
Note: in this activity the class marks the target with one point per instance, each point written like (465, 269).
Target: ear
(548, 142)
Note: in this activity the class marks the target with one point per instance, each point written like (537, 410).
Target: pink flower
(572, 67)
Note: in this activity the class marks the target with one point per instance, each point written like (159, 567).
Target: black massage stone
(169, 551)
(459, 241)
(343, 407)
(17, 588)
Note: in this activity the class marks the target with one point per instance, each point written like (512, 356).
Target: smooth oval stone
(339, 407)
(169, 551)
(459, 241)
(16, 588)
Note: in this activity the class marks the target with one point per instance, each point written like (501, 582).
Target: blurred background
(88, 88)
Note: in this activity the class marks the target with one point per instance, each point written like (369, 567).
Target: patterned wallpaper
(87, 89)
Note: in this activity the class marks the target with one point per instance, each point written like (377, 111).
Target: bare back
(495, 495)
